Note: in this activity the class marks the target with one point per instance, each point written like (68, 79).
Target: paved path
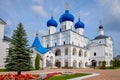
(104, 74)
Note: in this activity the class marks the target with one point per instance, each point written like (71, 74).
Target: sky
(34, 15)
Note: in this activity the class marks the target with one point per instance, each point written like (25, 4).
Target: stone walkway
(104, 74)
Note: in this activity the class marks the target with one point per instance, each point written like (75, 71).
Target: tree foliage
(37, 62)
(18, 57)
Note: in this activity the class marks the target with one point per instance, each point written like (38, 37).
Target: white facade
(46, 60)
(4, 44)
(101, 48)
(69, 48)
(73, 49)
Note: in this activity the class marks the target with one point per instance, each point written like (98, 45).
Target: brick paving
(104, 74)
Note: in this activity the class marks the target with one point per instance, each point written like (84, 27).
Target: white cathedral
(72, 49)
(67, 48)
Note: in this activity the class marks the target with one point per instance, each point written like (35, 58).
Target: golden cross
(67, 6)
(78, 14)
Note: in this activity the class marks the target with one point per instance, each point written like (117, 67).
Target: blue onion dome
(66, 17)
(79, 24)
(52, 22)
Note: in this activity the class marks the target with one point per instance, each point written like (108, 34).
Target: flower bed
(50, 75)
(19, 77)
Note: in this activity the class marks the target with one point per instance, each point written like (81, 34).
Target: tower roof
(52, 22)
(38, 46)
(101, 37)
(3, 22)
(79, 24)
(66, 17)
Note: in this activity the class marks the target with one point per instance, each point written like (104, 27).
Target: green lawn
(65, 77)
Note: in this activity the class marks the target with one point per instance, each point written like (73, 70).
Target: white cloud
(112, 5)
(39, 10)
(42, 32)
(9, 22)
(38, 1)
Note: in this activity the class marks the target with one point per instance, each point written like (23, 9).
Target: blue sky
(35, 13)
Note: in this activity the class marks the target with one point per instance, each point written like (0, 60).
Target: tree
(18, 57)
(111, 63)
(100, 63)
(103, 64)
(37, 62)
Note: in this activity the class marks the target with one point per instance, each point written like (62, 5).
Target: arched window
(66, 51)
(80, 53)
(74, 51)
(64, 42)
(58, 52)
(94, 53)
(55, 44)
(85, 54)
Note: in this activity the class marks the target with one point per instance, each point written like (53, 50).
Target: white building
(101, 48)
(72, 48)
(4, 43)
(67, 48)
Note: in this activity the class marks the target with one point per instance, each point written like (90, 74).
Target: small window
(72, 42)
(49, 31)
(55, 44)
(64, 42)
(47, 45)
(94, 53)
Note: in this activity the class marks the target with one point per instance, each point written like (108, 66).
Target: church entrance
(57, 64)
(94, 63)
(66, 64)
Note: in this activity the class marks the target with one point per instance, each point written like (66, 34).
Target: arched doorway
(86, 64)
(74, 64)
(66, 63)
(57, 63)
(80, 64)
(94, 63)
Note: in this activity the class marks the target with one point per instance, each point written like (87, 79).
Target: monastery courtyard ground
(103, 74)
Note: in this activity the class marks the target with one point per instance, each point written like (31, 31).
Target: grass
(3, 70)
(65, 77)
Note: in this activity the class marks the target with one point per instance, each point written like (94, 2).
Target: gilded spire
(78, 14)
(67, 6)
(100, 22)
(100, 27)
(51, 13)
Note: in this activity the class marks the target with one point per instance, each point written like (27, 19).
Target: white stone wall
(69, 37)
(51, 29)
(80, 31)
(1, 32)
(3, 46)
(3, 52)
(103, 49)
(66, 25)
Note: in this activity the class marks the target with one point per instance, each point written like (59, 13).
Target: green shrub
(103, 64)
(37, 62)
